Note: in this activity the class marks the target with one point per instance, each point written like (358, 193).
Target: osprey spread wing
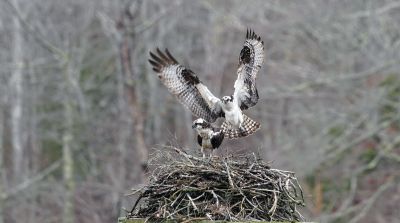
(245, 94)
(186, 86)
(250, 60)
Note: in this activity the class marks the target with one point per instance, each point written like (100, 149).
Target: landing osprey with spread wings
(194, 95)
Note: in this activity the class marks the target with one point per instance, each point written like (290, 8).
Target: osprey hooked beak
(198, 122)
(227, 99)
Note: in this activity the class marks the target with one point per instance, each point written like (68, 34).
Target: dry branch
(231, 188)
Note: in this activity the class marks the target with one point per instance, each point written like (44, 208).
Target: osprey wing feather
(250, 60)
(186, 86)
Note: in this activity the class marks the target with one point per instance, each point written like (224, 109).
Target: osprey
(194, 95)
(208, 137)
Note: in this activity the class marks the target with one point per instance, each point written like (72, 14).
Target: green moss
(52, 149)
(51, 152)
(340, 220)
(336, 131)
(310, 179)
(389, 81)
(50, 107)
(390, 105)
(368, 155)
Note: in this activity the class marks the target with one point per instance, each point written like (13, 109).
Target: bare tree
(2, 166)
(81, 109)
(16, 83)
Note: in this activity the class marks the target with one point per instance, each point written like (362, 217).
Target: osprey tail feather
(249, 126)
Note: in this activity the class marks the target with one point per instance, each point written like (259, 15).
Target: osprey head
(200, 124)
(227, 99)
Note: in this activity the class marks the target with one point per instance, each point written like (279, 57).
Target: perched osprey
(208, 137)
(194, 95)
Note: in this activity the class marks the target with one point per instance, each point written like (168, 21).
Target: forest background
(81, 111)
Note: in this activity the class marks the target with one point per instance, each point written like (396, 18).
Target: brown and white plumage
(208, 137)
(194, 95)
(250, 60)
(249, 126)
(246, 93)
(184, 84)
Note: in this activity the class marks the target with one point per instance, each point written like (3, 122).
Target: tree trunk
(68, 165)
(124, 131)
(16, 100)
(2, 169)
(33, 143)
(134, 105)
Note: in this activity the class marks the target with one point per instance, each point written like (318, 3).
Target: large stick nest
(232, 189)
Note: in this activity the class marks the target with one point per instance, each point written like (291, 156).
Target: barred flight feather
(181, 82)
(249, 126)
(250, 60)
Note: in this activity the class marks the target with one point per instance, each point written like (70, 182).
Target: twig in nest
(229, 175)
(191, 201)
(216, 197)
(273, 208)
